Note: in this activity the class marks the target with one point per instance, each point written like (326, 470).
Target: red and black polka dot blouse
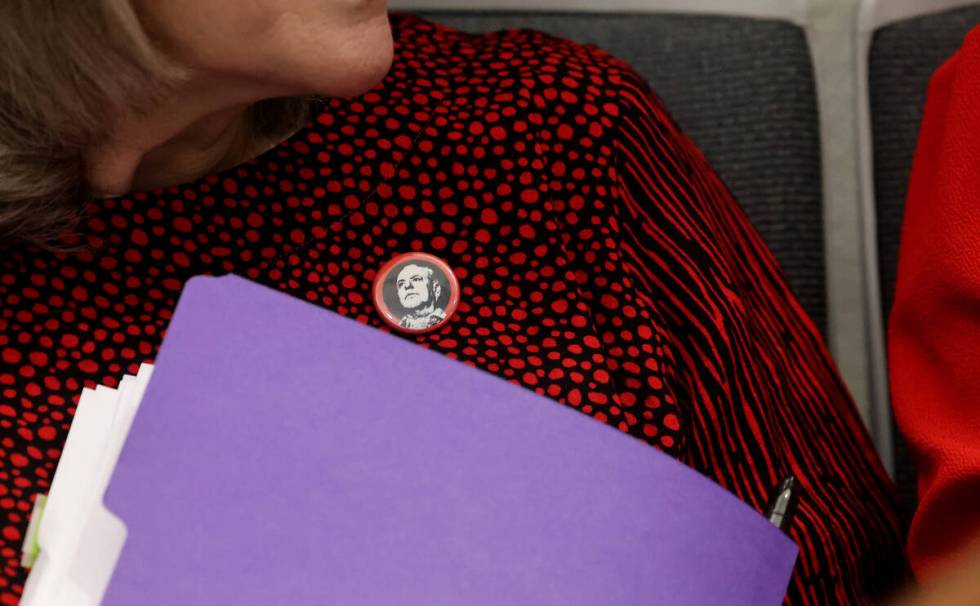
(601, 262)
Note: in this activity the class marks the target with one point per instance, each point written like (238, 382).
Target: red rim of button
(387, 303)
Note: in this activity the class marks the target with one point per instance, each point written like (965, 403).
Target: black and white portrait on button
(417, 292)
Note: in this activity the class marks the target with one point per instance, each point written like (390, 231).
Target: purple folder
(284, 454)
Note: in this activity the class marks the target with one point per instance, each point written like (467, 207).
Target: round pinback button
(416, 293)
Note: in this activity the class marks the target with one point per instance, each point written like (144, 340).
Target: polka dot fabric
(601, 263)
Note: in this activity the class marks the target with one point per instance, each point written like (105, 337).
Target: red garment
(934, 328)
(601, 263)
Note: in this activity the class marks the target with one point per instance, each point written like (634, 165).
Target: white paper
(79, 539)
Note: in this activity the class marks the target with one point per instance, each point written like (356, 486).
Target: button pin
(416, 293)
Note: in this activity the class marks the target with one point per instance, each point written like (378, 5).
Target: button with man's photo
(416, 293)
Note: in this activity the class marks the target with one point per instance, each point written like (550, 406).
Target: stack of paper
(283, 454)
(79, 539)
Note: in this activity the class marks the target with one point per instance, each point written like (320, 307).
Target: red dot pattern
(587, 235)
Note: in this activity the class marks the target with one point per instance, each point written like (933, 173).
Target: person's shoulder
(529, 43)
(535, 56)
(539, 77)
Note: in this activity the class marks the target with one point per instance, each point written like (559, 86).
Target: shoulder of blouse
(589, 87)
(550, 66)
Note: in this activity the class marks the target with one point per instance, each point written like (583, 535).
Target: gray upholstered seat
(902, 58)
(743, 89)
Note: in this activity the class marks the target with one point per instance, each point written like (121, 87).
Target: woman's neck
(208, 146)
(204, 128)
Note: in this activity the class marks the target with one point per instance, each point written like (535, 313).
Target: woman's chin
(366, 74)
(358, 64)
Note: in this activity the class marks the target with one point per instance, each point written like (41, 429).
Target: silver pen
(779, 510)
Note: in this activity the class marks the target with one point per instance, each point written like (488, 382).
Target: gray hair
(65, 67)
